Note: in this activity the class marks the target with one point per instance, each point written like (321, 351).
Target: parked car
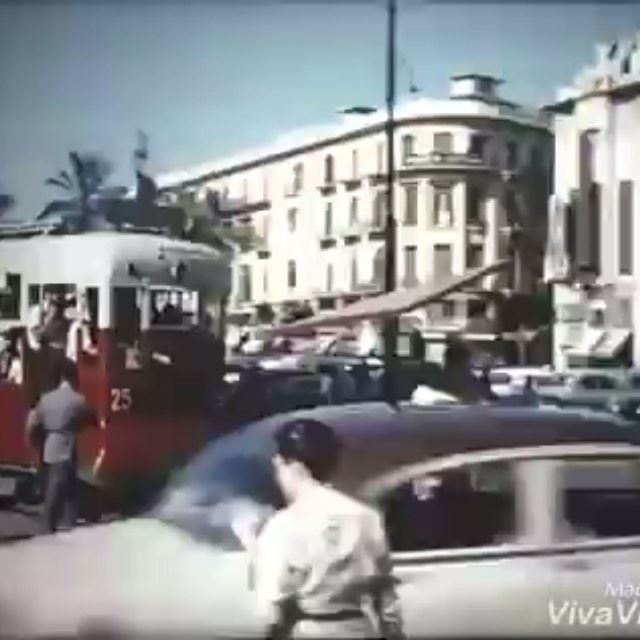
(500, 521)
(508, 381)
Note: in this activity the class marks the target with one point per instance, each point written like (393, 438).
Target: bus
(142, 297)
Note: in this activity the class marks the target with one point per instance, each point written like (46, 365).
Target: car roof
(377, 437)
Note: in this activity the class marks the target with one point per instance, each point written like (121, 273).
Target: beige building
(592, 256)
(317, 201)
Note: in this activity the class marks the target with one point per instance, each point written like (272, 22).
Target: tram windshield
(172, 306)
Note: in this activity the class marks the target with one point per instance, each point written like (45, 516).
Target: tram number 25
(121, 400)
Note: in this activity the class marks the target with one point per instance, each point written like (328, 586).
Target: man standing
(321, 565)
(58, 416)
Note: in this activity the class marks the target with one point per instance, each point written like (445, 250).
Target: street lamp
(390, 323)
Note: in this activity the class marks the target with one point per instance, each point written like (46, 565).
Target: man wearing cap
(321, 564)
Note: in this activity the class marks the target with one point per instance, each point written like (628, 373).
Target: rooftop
(408, 108)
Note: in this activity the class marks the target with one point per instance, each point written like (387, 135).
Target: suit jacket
(59, 415)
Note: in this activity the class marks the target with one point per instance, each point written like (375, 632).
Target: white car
(509, 522)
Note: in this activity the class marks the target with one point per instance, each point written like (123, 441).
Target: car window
(601, 497)
(597, 382)
(467, 507)
(549, 381)
(498, 377)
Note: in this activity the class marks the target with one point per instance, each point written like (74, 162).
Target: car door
(595, 559)
(463, 538)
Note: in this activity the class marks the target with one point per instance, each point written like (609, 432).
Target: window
(570, 225)
(448, 309)
(292, 215)
(477, 145)
(380, 164)
(625, 311)
(10, 297)
(443, 142)
(601, 496)
(442, 207)
(379, 209)
(328, 220)
(512, 155)
(477, 309)
(411, 204)
(353, 211)
(265, 186)
(329, 176)
(265, 280)
(410, 266)
(625, 227)
(354, 273)
(298, 178)
(594, 225)
(329, 278)
(474, 203)
(126, 314)
(471, 506)
(354, 164)
(291, 274)
(442, 260)
(408, 147)
(266, 226)
(597, 382)
(244, 283)
(475, 256)
(34, 294)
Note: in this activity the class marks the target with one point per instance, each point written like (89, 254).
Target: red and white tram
(143, 297)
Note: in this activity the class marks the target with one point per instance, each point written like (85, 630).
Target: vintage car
(501, 521)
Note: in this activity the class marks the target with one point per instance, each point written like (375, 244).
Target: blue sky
(203, 79)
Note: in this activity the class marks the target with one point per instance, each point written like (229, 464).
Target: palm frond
(56, 182)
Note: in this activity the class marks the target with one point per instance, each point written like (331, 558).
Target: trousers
(60, 496)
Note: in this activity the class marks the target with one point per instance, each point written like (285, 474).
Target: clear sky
(203, 79)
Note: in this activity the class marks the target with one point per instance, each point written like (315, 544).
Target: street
(17, 522)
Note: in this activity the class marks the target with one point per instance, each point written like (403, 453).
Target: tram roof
(118, 258)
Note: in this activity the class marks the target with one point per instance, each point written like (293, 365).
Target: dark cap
(312, 443)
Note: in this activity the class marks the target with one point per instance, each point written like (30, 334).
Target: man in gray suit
(58, 416)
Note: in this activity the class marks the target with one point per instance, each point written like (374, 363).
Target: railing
(445, 159)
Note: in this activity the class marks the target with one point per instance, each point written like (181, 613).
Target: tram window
(126, 314)
(174, 307)
(34, 294)
(10, 298)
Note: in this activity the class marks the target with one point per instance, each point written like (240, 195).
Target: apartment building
(592, 257)
(466, 166)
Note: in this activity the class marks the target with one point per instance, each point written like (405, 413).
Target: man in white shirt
(79, 331)
(321, 565)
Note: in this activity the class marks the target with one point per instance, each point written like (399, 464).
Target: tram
(143, 297)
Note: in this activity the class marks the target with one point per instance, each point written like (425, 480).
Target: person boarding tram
(321, 564)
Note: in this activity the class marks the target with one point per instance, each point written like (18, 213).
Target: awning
(611, 343)
(394, 303)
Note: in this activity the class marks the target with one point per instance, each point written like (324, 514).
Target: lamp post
(390, 323)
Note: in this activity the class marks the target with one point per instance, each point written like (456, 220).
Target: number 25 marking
(121, 400)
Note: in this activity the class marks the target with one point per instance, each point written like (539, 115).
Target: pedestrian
(321, 564)
(58, 417)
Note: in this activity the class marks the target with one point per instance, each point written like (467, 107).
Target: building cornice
(479, 119)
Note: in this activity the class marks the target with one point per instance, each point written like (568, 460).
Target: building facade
(593, 259)
(316, 199)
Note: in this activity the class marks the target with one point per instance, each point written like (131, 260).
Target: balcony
(232, 207)
(352, 232)
(327, 188)
(351, 184)
(328, 240)
(445, 161)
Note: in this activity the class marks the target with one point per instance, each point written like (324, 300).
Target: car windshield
(233, 475)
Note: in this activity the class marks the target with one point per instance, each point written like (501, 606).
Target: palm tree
(88, 174)
(6, 202)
